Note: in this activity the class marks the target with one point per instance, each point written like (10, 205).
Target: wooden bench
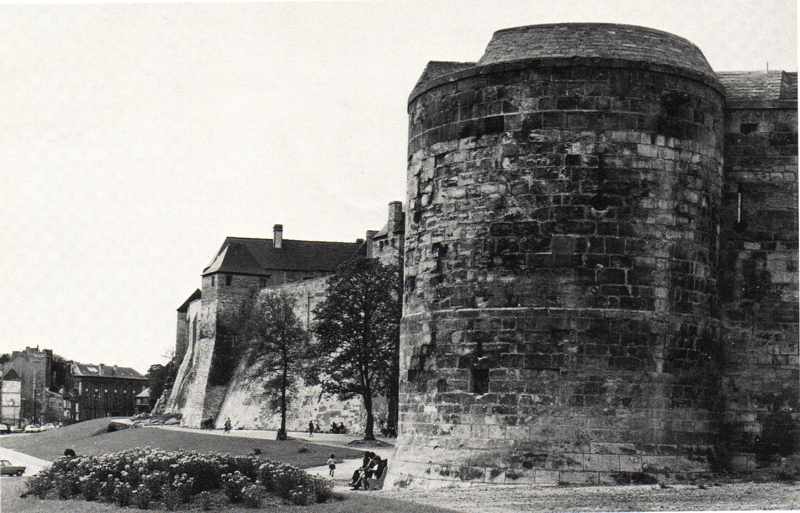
(376, 483)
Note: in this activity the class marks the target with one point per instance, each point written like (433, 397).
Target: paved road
(33, 465)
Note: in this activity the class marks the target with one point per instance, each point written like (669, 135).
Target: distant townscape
(41, 387)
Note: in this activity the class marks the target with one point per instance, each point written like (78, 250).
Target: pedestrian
(331, 465)
(227, 424)
(310, 428)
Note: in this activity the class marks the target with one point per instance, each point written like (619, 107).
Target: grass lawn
(10, 489)
(82, 439)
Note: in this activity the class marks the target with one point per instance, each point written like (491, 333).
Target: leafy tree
(279, 347)
(356, 332)
(160, 377)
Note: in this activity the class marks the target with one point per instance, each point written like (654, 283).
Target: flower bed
(143, 477)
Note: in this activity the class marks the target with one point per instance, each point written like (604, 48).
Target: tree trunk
(393, 393)
(282, 431)
(369, 432)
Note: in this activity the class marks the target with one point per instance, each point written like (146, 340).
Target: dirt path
(521, 499)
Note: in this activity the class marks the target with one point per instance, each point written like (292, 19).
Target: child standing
(331, 465)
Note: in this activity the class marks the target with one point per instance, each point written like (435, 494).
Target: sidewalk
(32, 464)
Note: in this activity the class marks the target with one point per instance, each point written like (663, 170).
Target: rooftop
(259, 256)
(759, 85)
(587, 41)
(598, 40)
(185, 305)
(104, 371)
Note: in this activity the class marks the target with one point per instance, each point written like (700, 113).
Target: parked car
(48, 427)
(7, 469)
(33, 428)
(5, 429)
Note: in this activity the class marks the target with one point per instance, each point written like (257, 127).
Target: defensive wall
(600, 263)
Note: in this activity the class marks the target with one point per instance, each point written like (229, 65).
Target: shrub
(63, 486)
(302, 495)
(143, 475)
(122, 493)
(184, 485)
(233, 484)
(252, 495)
(141, 497)
(90, 487)
(205, 501)
(323, 488)
(107, 489)
(170, 497)
(154, 482)
(39, 485)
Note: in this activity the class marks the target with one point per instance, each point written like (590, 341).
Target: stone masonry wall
(758, 284)
(560, 275)
(204, 389)
(247, 406)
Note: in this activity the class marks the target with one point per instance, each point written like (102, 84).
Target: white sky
(133, 139)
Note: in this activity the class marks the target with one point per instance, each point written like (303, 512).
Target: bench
(376, 483)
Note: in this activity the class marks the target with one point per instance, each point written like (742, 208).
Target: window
(212, 280)
(573, 160)
(480, 381)
(748, 128)
(228, 279)
(262, 282)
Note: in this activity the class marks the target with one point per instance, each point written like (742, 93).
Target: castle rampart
(562, 311)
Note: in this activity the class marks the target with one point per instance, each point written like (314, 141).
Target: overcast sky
(133, 139)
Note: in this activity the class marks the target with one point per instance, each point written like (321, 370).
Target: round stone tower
(559, 321)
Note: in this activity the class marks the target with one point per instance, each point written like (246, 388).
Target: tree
(356, 332)
(279, 347)
(161, 377)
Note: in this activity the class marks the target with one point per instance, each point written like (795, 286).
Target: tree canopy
(279, 347)
(357, 330)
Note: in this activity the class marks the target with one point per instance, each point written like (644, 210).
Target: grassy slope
(10, 489)
(80, 437)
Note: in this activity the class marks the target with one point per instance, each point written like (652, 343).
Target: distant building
(143, 401)
(102, 391)
(10, 398)
(35, 370)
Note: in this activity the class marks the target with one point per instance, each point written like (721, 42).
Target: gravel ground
(520, 499)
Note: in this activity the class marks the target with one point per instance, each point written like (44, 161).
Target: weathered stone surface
(562, 295)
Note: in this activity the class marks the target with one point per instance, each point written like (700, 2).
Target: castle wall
(758, 283)
(203, 389)
(560, 274)
(185, 378)
(247, 406)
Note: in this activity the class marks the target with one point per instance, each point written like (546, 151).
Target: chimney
(396, 222)
(277, 236)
